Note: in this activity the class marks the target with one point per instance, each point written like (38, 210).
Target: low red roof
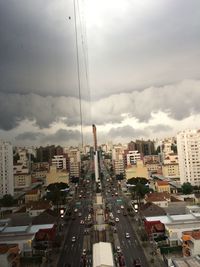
(32, 192)
(162, 183)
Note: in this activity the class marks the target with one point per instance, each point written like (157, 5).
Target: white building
(102, 255)
(60, 162)
(6, 169)
(188, 144)
(132, 157)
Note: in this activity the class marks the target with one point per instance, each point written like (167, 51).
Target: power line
(78, 70)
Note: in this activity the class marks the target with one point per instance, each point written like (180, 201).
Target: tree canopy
(136, 180)
(7, 201)
(57, 192)
(187, 188)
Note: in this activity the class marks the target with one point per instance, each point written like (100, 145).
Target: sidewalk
(154, 260)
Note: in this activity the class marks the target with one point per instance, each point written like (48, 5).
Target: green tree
(7, 201)
(187, 188)
(15, 158)
(57, 193)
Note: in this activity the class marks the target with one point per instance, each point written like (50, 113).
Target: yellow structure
(33, 195)
(170, 170)
(162, 186)
(138, 170)
(56, 176)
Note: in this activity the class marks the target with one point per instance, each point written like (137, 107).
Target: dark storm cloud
(179, 101)
(37, 48)
(44, 111)
(62, 136)
(29, 136)
(125, 132)
(155, 44)
(159, 128)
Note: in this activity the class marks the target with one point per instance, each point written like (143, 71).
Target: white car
(73, 238)
(84, 252)
(127, 235)
(117, 219)
(118, 211)
(118, 249)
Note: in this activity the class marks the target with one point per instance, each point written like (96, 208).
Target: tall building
(96, 155)
(45, 154)
(6, 169)
(60, 161)
(118, 160)
(74, 162)
(188, 144)
(145, 147)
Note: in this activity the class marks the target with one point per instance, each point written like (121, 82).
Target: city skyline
(143, 70)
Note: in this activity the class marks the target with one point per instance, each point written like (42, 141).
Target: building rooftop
(186, 262)
(157, 196)
(102, 254)
(32, 192)
(195, 234)
(150, 209)
(5, 247)
(162, 183)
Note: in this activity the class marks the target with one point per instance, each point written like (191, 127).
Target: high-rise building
(45, 154)
(74, 162)
(145, 147)
(6, 169)
(60, 161)
(118, 160)
(188, 144)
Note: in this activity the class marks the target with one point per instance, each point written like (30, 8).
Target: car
(86, 232)
(122, 207)
(118, 211)
(84, 252)
(114, 229)
(127, 235)
(116, 194)
(75, 210)
(118, 249)
(82, 222)
(79, 214)
(117, 219)
(137, 263)
(73, 238)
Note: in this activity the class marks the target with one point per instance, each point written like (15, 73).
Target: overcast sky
(142, 78)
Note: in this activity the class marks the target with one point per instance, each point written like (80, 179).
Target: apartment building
(60, 161)
(170, 170)
(74, 162)
(188, 144)
(138, 170)
(6, 169)
(191, 243)
(118, 159)
(132, 157)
